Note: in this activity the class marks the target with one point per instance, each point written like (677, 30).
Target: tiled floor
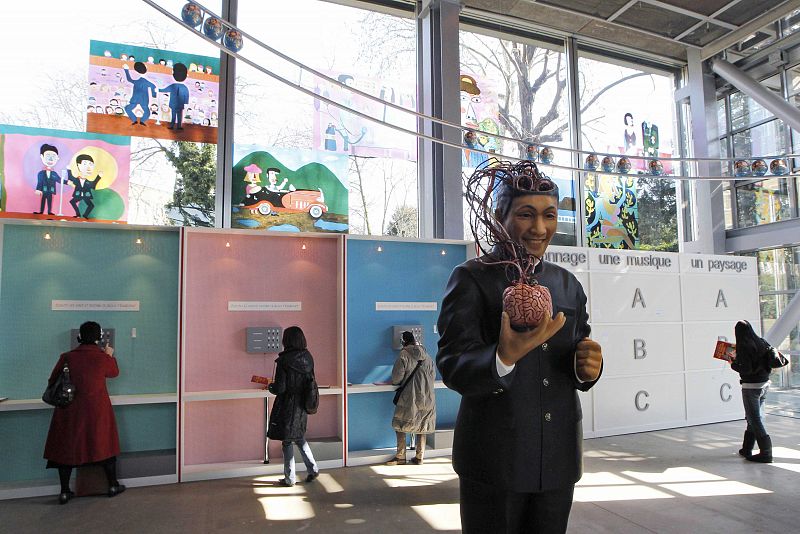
(676, 481)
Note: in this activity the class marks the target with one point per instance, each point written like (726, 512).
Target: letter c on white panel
(722, 392)
(638, 400)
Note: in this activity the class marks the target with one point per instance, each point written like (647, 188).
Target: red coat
(86, 430)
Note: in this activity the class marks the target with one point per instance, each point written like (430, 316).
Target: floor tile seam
(617, 514)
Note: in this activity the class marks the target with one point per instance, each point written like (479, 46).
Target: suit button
(544, 346)
(547, 416)
(546, 382)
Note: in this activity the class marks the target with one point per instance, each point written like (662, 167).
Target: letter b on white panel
(633, 349)
(719, 298)
(635, 298)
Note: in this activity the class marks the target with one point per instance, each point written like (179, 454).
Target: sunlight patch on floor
(618, 493)
(603, 478)
(789, 467)
(785, 453)
(329, 483)
(713, 489)
(440, 516)
(287, 508)
(674, 474)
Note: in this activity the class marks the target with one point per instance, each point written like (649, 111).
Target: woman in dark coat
(288, 419)
(755, 358)
(85, 431)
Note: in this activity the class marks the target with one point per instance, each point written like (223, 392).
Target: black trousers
(89, 206)
(485, 509)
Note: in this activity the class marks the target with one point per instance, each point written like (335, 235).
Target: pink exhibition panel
(223, 431)
(323, 424)
(281, 271)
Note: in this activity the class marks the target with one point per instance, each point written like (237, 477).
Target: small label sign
(95, 305)
(249, 305)
(406, 306)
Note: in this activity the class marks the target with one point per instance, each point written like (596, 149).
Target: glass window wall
(625, 109)
(366, 173)
(518, 88)
(147, 175)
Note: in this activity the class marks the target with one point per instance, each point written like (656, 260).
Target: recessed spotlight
(227, 244)
(444, 252)
(379, 249)
(47, 236)
(138, 240)
(303, 247)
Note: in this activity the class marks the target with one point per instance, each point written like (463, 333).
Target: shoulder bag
(399, 391)
(62, 391)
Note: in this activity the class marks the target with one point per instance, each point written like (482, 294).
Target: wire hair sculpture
(486, 190)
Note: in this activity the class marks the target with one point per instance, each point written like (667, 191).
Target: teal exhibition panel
(52, 279)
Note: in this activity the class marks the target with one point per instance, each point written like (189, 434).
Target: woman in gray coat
(415, 411)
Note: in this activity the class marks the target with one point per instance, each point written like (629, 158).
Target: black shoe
(764, 455)
(286, 482)
(747, 444)
(50, 213)
(312, 476)
(65, 496)
(37, 212)
(115, 490)
(180, 128)
(134, 123)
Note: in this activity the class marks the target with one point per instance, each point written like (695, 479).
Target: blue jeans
(288, 458)
(754, 400)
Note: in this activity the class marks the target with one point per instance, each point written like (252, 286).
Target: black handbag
(776, 359)
(399, 391)
(62, 391)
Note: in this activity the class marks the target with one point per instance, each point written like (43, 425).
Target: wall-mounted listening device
(107, 337)
(264, 339)
(397, 334)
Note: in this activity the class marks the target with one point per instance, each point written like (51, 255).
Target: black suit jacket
(521, 432)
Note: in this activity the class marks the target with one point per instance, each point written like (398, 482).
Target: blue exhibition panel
(88, 264)
(369, 421)
(392, 272)
(447, 403)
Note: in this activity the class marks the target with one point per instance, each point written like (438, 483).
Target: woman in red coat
(85, 432)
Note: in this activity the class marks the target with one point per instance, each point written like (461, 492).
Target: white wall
(657, 316)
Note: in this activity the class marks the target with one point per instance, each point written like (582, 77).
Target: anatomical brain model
(525, 301)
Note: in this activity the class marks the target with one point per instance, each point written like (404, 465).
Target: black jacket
(521, 432)
(288, 417)
(753, 365)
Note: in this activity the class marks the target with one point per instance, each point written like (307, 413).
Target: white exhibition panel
(640, 349)
(638, 403)
(699, 340)
(587, 407)
(635, 298)
(713, 396)
(719, 298)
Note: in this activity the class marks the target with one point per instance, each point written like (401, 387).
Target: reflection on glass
(499, 95)
(746, 111)
(627, 110)
(762, 202)
(375, 166)
(53, 92)
(763, 140)
(722, 124)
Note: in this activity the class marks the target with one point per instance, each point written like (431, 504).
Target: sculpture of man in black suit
(518, 438)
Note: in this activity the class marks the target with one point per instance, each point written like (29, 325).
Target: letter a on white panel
(637, 297)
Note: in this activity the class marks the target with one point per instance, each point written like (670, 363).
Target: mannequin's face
(532, 221)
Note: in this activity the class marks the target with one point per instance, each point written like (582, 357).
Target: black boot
(747, 444)
(764, 455)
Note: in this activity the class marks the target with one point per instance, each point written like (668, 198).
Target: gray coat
(416, 409)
